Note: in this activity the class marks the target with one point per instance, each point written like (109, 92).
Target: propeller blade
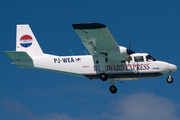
(129, 52)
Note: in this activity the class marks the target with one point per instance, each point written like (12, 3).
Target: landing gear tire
(113, 89)
(103, 77)
(169, 79)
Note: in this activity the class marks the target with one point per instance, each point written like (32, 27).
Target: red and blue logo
(26, 41)
(78, 59)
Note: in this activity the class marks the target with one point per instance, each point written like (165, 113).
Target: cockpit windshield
(149, 58)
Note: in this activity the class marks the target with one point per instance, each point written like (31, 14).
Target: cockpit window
(149, 58)
(138, 58)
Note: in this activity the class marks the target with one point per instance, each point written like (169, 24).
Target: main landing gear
(169, 79)
(113, 89)
(104, 77)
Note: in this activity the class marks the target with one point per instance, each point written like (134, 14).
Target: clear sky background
(30, 94)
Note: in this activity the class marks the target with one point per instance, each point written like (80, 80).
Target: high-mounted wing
(96, 37)
(99, 41)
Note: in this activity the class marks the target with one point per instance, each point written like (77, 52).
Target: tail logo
(26, 41)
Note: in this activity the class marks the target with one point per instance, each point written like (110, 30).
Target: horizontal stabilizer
(18, 56)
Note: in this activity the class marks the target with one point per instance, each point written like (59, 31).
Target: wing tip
(88, 26)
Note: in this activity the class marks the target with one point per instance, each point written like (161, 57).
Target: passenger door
(139, 63)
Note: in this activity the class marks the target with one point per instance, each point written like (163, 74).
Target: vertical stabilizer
(26, 41)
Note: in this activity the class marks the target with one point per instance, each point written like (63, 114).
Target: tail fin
(26, 41)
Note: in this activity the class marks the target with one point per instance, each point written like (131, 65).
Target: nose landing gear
(169, 79)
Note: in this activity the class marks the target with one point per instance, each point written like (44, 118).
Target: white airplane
(108, 60)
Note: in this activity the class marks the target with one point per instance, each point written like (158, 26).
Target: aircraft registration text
(66, 60)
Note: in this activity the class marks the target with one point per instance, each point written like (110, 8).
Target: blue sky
(153, 26)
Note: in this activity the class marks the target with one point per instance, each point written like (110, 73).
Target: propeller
(129, 51)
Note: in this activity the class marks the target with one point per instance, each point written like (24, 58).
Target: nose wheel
(169, 79)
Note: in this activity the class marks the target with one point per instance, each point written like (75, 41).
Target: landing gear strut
(169, 79)
(103, 77)
(113, 89)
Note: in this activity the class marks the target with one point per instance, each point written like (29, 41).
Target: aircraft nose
(172, 67)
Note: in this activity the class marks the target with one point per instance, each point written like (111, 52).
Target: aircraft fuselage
(87, 66)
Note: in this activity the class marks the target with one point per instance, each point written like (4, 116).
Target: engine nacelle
(118, 54)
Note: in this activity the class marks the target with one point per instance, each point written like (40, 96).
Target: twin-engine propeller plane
(108, 60)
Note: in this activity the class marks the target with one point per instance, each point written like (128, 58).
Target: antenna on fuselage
(72, 52)
(140, 50)
(85, 52)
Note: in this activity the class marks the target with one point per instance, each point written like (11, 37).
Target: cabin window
(149, 58)
(138, 58)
